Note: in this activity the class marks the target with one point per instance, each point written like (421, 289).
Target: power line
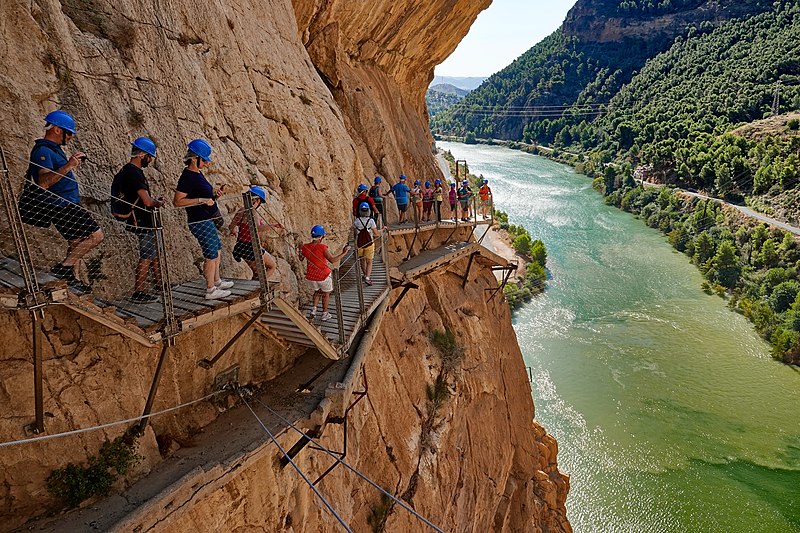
(297, 468)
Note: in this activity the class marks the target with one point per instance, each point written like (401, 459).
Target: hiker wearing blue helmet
(363, 196)
(416, 199)
(54, 198)
(438, 198)
(400, 191)
(318, 273)
(365, 232)
(196, 194)
(464, 197)
(132, 204)
(453, 197)
(427, 202)
(240, 228)
(377, 197)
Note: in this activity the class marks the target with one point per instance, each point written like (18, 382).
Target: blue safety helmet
(258, 192)
(437, 182)
(145, 145)
(317, 231)
(378, 179)
(402, 177)
(364, 206)
(62, 119)
(416, 182)
(486, 181)
(201, 149)
(427, 183)
(362, 187)
(452, 184)
(465, 182)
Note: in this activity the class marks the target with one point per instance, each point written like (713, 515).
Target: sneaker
(224, 284)
(368, 281)
(312, 314)
(325, 316)
(142, 297)
(216, 293)
(62, 272)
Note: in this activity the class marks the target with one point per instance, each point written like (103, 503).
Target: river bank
(669, 411)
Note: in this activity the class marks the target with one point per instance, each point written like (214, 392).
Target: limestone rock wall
(478, 462)
(306, 97)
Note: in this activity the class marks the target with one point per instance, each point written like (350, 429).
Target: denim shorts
(207, 237)
(147, 243)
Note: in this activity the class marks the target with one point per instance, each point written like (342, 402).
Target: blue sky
(502, 33)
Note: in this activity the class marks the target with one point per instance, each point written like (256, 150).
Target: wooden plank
(219, 313)
(322, 343)
(264, 330)
(139, 337)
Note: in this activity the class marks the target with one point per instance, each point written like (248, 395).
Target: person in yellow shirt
(438, 198)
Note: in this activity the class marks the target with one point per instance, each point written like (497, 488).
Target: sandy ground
(498, 241)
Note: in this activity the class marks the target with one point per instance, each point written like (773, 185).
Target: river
(670, 414)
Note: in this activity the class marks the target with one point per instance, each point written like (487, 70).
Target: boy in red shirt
(318, 273)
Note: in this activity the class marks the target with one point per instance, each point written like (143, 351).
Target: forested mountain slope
(598, 49)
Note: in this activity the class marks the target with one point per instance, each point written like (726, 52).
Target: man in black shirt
(131, 203)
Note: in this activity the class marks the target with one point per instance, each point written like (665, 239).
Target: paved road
(746, 210)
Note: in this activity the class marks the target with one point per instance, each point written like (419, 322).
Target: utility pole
(776, 99)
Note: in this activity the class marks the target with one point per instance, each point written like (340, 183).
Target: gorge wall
(308, 98)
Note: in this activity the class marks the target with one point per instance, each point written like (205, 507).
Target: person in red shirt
(362, 196)
(318, 273)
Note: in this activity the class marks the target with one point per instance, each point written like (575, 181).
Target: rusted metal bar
(469, 267)
(208, 363)
(148, 406)
(337, 291)
(38, 389)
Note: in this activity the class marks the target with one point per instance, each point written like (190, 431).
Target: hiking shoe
(312, 314)
(368, 281)
(216, 293)
(224, 284)
(62, 272)
(142, 297)
(325, 316)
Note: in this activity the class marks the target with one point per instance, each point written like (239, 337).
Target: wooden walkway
(140, 322)
(448, 223)
(293, 326)
(431, 260)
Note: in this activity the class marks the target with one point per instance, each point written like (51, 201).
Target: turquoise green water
(669, 412)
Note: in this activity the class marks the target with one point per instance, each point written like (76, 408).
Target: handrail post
(359, 287)
(337, 291)
(385, 256)
(170, 322)
(38, 394)
(255, 241)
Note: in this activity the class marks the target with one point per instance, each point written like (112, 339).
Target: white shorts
(325, 285)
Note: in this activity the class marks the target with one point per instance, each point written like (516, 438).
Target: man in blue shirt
(400, 191)
(51, 170)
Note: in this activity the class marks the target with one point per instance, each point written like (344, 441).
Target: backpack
(373, 193)
(364, 238)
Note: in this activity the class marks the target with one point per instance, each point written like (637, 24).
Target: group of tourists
(425, 200)
(56, 201)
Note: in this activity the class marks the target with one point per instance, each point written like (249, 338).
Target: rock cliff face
(603, 21)
(308, 98)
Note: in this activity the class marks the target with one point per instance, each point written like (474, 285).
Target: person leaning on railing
(240, 228)
(51, 169)
(196, 194)
(132, 204)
